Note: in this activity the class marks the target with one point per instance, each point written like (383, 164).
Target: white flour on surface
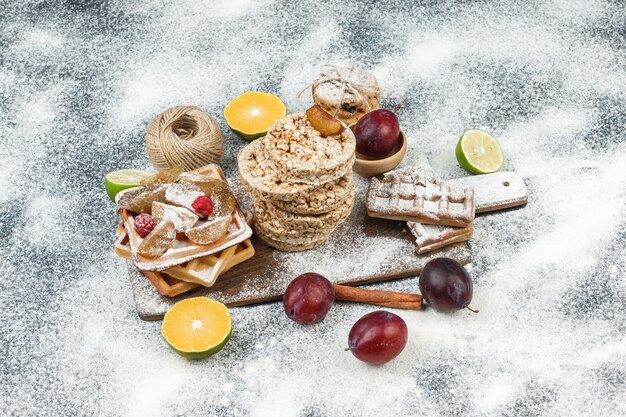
(80, 83)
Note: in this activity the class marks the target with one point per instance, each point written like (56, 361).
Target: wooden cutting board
(362, 250)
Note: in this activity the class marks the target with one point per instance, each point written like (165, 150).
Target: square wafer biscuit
(429, 237)
(419, 196)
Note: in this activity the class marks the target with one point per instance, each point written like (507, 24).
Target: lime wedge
(478, 152)
(117, 181)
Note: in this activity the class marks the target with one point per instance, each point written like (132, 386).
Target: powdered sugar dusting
(374, 254)
(377, 253)
(78, 86)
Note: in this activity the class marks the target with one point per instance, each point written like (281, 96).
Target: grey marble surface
(79, 81)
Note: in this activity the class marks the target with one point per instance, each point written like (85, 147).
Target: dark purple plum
(378, 337)
(446, 285)
(377, 133)
(308, 298)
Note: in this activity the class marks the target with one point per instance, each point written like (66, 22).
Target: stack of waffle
(186, 264)
(301, 181)
(437, 213)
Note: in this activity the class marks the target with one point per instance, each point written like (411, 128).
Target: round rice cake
(289, 234)
(321, 200)
(259, 177)
(287, 245)
(299, 154)
(316, 200)
(284, 223)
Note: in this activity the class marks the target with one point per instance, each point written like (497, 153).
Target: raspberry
(144, 223)
(202, 205)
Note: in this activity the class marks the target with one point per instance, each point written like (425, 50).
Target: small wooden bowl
(369, 168)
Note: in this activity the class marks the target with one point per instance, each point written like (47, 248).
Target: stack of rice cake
(302, 183)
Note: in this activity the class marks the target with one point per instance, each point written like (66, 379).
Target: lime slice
(197, 327)
(117, 181)
(478, 152)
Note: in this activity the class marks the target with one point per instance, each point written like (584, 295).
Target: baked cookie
(346, 93)
(429, 237)
(417, 195)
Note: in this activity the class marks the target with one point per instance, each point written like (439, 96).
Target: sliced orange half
(252, 114)
(197, 327)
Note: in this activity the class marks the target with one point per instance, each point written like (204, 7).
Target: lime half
(117, 181)
(478, 152)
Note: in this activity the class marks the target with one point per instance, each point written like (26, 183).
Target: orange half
(197, 327)
(252, 114)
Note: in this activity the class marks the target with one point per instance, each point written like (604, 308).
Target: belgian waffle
(184, 250)
(419, 196)
(201, 271)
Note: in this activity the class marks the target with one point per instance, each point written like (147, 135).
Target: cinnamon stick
(388, 299)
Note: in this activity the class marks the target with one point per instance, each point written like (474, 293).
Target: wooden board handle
(496, 191)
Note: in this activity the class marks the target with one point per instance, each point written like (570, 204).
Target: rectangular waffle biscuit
(414, 195)
(168, 286)
(184, 250)
(201, 271)
(429, 237)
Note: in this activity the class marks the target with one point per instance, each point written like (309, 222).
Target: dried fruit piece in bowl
(158, 241)
(323, 121)
(164, 177)
(140, 199)
(210, 231)
(182, 218)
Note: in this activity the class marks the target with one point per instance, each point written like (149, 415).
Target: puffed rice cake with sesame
(302, 183)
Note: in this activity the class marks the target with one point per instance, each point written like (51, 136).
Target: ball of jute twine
(183, 135)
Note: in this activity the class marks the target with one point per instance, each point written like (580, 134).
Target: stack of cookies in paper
(300, 174)
(347, 93)
(437, 213)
